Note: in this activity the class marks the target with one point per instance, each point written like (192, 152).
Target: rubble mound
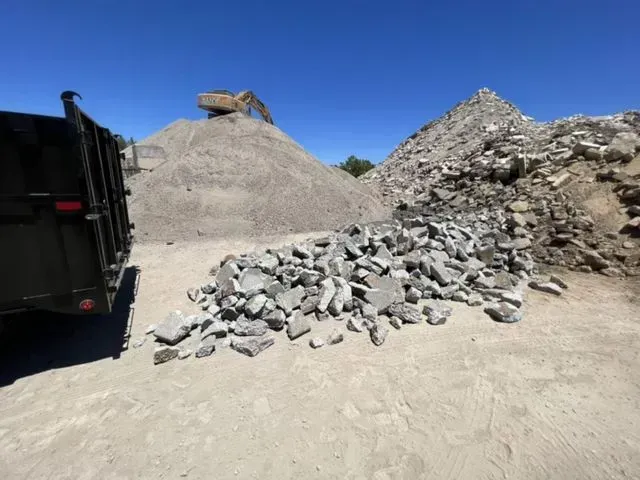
(237, 176)
(366, 278)
(570, 187)
(446, 142)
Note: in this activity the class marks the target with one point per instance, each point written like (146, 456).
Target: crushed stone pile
(367, 278)
(235, 176)
(485, 155)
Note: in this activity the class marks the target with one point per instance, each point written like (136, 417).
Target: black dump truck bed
(65, 234)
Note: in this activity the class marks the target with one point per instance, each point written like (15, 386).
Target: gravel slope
(236, 176)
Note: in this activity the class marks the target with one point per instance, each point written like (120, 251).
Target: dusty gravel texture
(553, 396)
(236, 176)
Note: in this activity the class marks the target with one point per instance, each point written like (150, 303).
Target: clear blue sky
(340, 77)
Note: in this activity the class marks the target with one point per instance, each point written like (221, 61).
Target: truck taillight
(68, 206)
(87, 305)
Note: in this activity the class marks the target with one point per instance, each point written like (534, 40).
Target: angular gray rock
(327, 291)
(275, 320)
(301, 252)
(252, 346)
(216, 328)
(250, 328)
(622, 147)
(193, 294)
(173, 328)
(309, 304)
(404, 312)
(558, 281)
(228, 271)
(437, 313)
(441, 274)
(369, 311)
(460, 296)
(503, 312)
(337, 302)
(485, 254)
(475, 300)
(253, 281)
(546, 287)
(512, 298)
(207, 347)
(184, 354)
(255, 305)
(268, 264)
(298, 325)
(230, 287)
(380, 299)
(274, 288)
(335, 336)
(395, 323)
(310, 278)
(413, 295)
(316, 342)
(356, 324)
(378, 334)
(291, 299)
(164, 354)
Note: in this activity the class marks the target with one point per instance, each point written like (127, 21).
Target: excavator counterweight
(223, 102)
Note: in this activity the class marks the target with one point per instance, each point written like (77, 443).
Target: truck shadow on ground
(35, 342)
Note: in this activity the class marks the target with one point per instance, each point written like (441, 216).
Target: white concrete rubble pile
(485, 156)
(367, 277)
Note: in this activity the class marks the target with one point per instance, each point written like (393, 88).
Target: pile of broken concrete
(366, 277)
(485, 154)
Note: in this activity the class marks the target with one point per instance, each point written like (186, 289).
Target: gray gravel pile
(368, 278)
(486, 156)
(236, 176)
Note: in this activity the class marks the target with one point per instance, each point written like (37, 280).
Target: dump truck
(65, 233)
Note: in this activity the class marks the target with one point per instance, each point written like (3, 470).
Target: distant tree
(131, 141)
(356, 166)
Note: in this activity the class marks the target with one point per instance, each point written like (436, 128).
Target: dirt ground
(554, 396)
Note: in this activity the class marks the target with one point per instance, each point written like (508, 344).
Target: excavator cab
(223, 102)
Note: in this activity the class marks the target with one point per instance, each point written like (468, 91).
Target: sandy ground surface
(555, 396)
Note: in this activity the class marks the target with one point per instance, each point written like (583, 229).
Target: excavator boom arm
(222, 102)
(250, 98)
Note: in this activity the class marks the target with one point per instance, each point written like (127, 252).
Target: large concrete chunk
(268, 264)
(380, 299)
(546, 287)
(337, 303)
(378, 334)
(164, 354)
(228, 271)
(254, 305)
(503, 312)
(440, 273)
(216, 328)
(275, 320)
(253, 281)
(437, 313)
(250, 328)
(298, 325)
(622, 147)
(291, 299)
(252, 346)
(404, 312)
(173, 328)
(230, 287)
(206, 347)
(327, 291)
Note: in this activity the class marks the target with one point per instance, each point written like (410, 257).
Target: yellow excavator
(222, 102)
